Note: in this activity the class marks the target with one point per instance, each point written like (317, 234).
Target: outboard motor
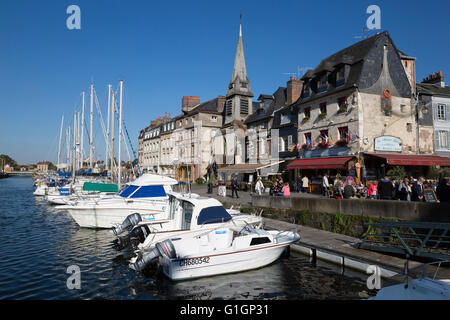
(162, 248)
(136, 236)
(127, 224)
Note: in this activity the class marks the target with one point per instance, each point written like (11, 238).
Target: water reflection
(40, 242)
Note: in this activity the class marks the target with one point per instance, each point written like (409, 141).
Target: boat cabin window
(143, 192)
(213, 215)
(188, 208)
(259, 240)
(174, 203)
(127, 191)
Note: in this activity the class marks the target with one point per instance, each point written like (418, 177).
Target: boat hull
(108, 217)
(222, 263)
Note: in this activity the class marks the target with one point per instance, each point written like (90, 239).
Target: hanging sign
(388, 143)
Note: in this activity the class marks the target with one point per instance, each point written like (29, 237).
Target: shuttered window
(229, 107)
(244, 106)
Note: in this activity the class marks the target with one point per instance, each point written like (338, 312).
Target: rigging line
(101, 118)
(116, 112)
(126, 146)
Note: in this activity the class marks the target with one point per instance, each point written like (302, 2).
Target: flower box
(341, 142)
(322, 115)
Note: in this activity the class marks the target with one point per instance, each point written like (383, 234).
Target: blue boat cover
(213, 215)
(143, 192)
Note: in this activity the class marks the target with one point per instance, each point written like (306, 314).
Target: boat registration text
(193, 261)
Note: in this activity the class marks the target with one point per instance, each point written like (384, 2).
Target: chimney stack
(293, 90)
(435, 78)
(189, 102)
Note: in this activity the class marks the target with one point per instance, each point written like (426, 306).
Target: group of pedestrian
(407, 189)
(280, 188)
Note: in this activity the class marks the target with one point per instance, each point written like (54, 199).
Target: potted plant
(342, 109)
(322, 115)
(341, 143)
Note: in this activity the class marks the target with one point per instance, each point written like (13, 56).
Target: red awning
(319, 163)
(412, 160)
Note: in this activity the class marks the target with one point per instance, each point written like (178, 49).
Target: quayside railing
(419, 239)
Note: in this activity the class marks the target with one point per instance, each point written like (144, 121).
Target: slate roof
(354, 56)
(205, 107)
(433, 90)
(279, 101)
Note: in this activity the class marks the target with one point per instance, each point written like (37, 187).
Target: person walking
(404, 190)
(325, 185)
(417, 190)
(286, 190)
(443, 191)
(259, 187)
(372, 192)
(385, 189)
(234, 187)
(305, 184)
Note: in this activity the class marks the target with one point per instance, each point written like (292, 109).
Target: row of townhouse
(358, 112)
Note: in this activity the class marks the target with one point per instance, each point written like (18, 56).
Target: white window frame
(440, 114)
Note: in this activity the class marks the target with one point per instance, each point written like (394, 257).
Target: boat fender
(166, 248)
(132, 239)
(127, 224)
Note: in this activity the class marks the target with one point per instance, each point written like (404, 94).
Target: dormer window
(306, 90)
(340, 76)
(285, 118)
(322, 83)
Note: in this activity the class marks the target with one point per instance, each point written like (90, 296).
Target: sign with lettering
(429, 195)
(388, 143)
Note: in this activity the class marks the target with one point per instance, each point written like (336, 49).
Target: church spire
(239, 83)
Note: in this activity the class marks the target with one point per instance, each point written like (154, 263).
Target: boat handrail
(424, 275)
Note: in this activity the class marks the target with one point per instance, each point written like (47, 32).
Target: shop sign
(388, 143)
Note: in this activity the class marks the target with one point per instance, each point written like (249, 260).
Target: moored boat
(146, 195)
(188, 215)
(219, 251)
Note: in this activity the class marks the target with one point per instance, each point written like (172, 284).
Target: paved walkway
(245, 198)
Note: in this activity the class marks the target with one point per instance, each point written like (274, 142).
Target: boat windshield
(213, 215)
(143, 192)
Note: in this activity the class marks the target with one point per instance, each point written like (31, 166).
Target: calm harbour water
(38, 243)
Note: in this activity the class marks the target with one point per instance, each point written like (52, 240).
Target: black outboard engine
(127, 224)
(136, 236)
(162, 248)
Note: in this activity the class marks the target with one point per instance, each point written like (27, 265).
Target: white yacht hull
(110, 215)
(227, 261)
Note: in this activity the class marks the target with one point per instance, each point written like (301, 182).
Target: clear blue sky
(166, 49)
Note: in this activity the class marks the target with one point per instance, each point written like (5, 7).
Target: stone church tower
(239, 96)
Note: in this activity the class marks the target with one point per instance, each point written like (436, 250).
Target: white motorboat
(219, 251)
(83, 190)
(423, 288)
(187, 215)
(146, 195)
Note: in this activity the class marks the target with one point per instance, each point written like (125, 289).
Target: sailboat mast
(68, 146)
(82, 132)
(107, 124)
(91, 142)
(120, 133)
(74, 145)
(60, 136)
(113, 102)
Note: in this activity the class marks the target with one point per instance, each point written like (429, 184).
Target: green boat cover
(102, 187)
